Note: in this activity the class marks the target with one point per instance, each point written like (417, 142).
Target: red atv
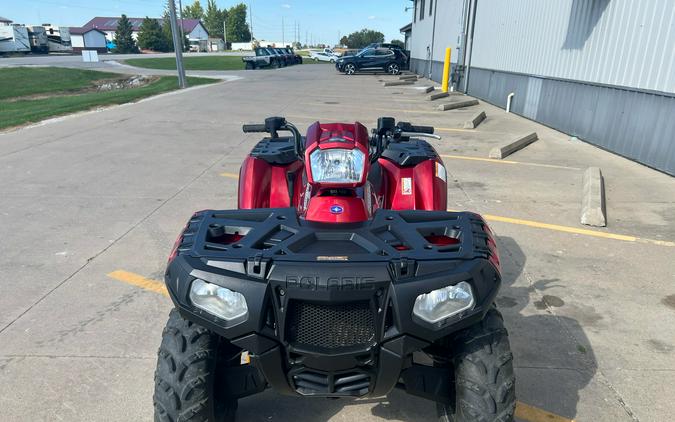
(340, 275)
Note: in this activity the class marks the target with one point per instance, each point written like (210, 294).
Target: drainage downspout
(461, 59)
(433, 36)
(469, 51)
(509, 98)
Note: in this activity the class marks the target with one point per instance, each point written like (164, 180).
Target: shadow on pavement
(397, 406)
(552, 355)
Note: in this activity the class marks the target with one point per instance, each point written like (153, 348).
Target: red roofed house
(193, 28)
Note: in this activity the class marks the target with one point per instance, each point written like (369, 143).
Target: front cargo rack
(278, 234)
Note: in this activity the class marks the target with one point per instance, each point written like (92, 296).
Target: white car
(323, 56)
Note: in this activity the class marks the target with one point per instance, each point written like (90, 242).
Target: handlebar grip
(254, 127)
(422, 129)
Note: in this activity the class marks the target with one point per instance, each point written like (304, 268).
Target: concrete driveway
(591, 312)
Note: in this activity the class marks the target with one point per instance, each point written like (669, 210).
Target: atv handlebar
(387, 131)
(421, 129)
(274, 124)
(253, 127)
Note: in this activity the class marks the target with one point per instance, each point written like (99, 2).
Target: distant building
(600, 70)
(5, 21)
(273, 44)
(193, 28)
(88, 39)
(407, 33)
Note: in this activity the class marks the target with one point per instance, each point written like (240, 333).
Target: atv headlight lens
(337, 165)
(440, 304)
(219, 301)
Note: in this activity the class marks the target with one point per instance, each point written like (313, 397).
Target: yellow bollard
(446, 70)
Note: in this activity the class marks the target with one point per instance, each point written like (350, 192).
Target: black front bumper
(330, 307)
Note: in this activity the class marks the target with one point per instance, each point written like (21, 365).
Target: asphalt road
(591, 315)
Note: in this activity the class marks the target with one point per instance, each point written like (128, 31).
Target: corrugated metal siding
(614, 42)
(637, 125)
(448, 30)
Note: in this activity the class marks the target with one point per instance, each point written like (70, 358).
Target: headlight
(440, 304)
(218, 301)
(337, 165)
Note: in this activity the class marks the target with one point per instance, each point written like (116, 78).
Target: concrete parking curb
(509, 148)
(475, 120)
(593, 200)
(426, 89)
(437, 95)
(408, 77)
(397, 83)
(458, 104)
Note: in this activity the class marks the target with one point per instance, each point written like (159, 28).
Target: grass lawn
(191, 63)
(23, 81)
(21, 111)
(197, 63)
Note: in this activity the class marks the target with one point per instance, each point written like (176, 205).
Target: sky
(323, 21)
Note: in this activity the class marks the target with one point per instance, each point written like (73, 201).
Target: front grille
(330, 326)
(309, 382)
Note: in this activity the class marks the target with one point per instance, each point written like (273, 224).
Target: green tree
(193, 11)
(398, 43)
(214, 19)
(237, 27)
(151, 36)
(167, 35)
(344, 40)
(124, 42)
(364, 37)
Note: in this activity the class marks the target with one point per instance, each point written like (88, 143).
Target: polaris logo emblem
(336, 209)
(330, 283)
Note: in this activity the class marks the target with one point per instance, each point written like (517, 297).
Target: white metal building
(601, 70)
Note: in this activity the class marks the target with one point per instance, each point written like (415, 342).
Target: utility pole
(177, 45)
(283, 36)
(182, 35)
(250, 21)
(225, 33)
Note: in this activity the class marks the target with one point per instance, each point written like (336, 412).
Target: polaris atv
(340, 275)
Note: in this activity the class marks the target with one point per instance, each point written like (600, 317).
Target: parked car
(320, 56)
(296, 56)
(406, 53)
(289, 58)
(387, 59)
(264, 57)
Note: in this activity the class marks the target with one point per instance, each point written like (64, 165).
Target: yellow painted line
(230, 175)
(495, 161)
(575, 230)
(139, 281)
(534, 414)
